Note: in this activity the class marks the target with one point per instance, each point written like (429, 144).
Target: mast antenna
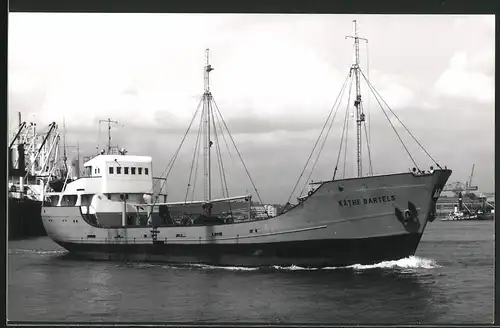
(109, 121)
(360, 116)
(65, 158)
(207, 99)
(78, 157)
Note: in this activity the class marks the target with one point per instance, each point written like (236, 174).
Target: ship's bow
(440, 177)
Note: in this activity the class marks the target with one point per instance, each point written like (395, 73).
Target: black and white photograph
(250, 168)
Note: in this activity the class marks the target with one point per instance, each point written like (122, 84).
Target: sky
(275, 81)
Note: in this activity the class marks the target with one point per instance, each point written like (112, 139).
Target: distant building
(259, 211)
(272, 210)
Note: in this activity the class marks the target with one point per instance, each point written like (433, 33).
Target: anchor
(409, 216)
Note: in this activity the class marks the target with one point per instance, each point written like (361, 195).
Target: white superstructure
(113, 185)
(115, 174)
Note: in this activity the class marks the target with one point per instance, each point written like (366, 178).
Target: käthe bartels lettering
(366, 201)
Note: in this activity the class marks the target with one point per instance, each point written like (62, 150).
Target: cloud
(464, 80)
(397, 96)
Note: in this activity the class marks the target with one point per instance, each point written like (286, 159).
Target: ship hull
(25, 219)
(486, 217)
(307, 253)
(353, 221)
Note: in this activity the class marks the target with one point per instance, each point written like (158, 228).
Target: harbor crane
(458, 187)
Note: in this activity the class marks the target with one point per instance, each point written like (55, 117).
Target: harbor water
(449, 280)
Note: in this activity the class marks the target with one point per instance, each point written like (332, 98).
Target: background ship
(34, 167)
(463, 201)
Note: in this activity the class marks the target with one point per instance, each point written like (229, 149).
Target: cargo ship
(112, 213)
(33, 167)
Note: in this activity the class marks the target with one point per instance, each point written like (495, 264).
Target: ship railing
(202, 202)
(221, 211)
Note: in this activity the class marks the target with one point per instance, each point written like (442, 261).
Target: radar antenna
(109, 121)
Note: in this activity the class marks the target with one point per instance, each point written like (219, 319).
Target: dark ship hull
(24, 214)
(485, 217)
(304, 253)
(25, 219)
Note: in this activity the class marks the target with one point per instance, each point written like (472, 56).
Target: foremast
(360, 115)
(207, 100)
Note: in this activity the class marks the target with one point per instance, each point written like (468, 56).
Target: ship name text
(366, 201)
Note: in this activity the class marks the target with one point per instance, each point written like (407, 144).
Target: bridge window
(118, 170)
(139, 170)
(86, 200)
(110, 170)
(126, 170)
(132, 169)
(69, 200)
(54, 200)
(146, 171)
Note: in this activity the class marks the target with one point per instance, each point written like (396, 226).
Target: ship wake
(412, 262)
(405, 264)
(37, 252)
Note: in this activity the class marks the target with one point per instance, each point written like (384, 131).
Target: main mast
(360, 116)
(207, 97)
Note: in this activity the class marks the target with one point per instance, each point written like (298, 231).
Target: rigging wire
(316, 143)
(404, 126)
(221, 164)
(370, 172)
(217, 153)
(174, 157)
(392, 125)
(219, 160)
(238, 152)
(326, 137)
(346, 139)
(196, 150)
(171, 162)
(343, 132)
(369, 135)
(221, 131)
(347, 129)
(196, 167)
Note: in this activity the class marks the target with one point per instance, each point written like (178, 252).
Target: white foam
(293, 268)
(215, 267)
(36, 251)
(412, 262)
